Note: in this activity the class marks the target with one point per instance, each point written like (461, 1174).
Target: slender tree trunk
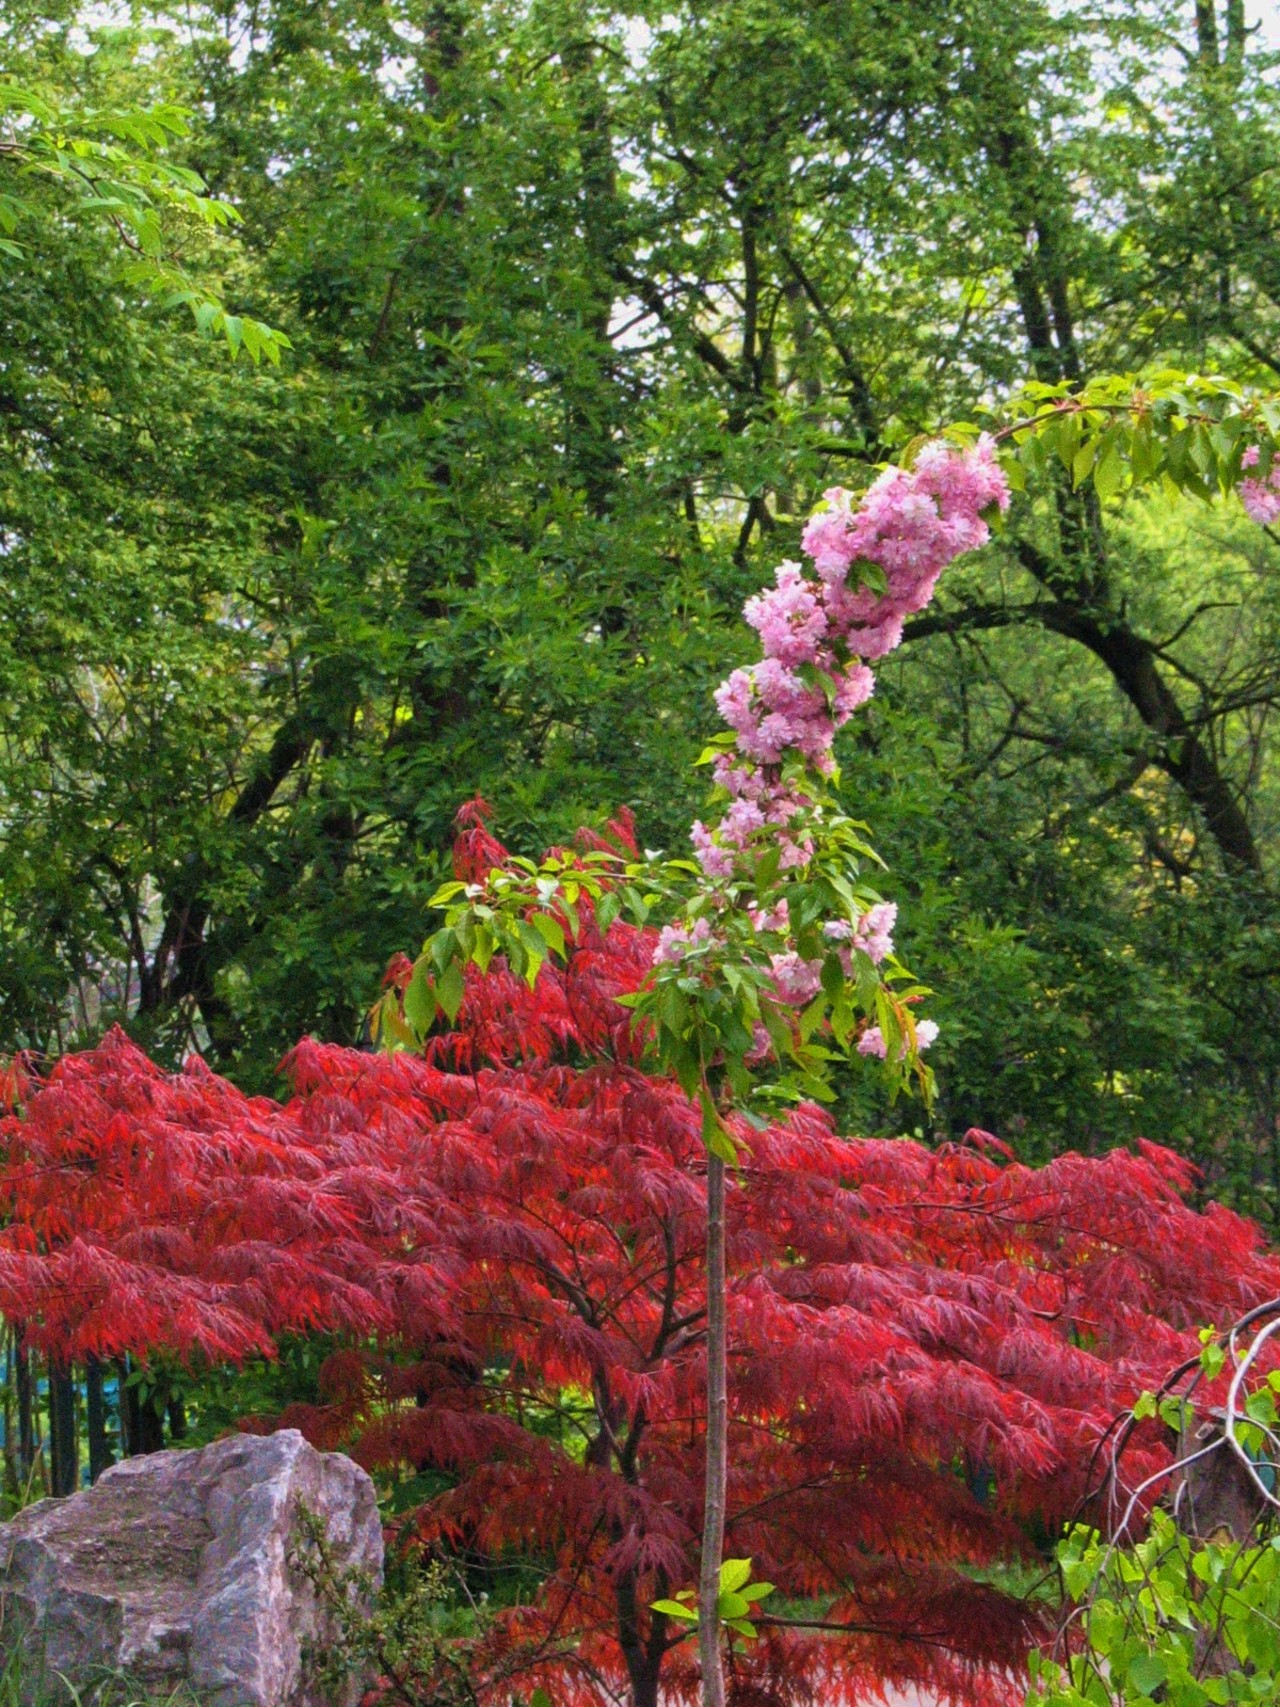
(12, 1480)
(146, 1424)
(141, 1421)
(26, 1411)
(101, 1456)
(717, 1444)
(177, 1413)
(64, 1446)
(126, 1434)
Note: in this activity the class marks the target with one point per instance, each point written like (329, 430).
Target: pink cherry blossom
(796, 981)
(874, 934)
(819, 633)
(770, 918)
(910, 524)
(675, 941)
(789, 619)
(872, 1040)
(1260, 497)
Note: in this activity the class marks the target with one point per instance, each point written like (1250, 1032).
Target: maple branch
(665, 1326)
(893, 1631)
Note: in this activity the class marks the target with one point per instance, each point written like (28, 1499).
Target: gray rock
(179, 1569)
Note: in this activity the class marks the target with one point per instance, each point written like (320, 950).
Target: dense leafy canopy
(587, 305)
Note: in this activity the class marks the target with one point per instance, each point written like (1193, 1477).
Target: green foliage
(586, 313)
(702, 1013)
(108, 164)
(1172, 1620)
(27, 1681)
(738, 1594)
(421, 1637)
(1183, 433)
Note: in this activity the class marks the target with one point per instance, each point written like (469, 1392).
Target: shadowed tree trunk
(101, 1456)
(64, 1445)
(26, 1411)
(717, 1445)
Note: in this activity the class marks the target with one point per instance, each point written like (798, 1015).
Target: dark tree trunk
(141, 1420)
(64, 1443)
(101, 1457)
(1179, 751)
(26, 1410)
(643, 1658)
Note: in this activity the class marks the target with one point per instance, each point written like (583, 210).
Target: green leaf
(1082, 461)
(550, 932)
(1108, 476)
(535, 949)
(449, 990)
(394, 1032)
(1173, 1413)
(1147, 1672)
(673, 1609)
(419, 999)
(733, 1573)
(1212, 1360)
(718, 1143)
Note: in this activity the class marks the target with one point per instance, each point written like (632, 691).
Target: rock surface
(177, 1569)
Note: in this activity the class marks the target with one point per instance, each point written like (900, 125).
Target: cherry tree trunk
(717, 1441)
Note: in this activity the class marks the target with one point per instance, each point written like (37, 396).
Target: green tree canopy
(588, 305)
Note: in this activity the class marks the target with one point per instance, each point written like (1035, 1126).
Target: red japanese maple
(925, 1346)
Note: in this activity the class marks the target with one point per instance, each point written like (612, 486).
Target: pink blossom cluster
(796, 981)
(1261, 497)
(872, 933)
(819, 630)
(675, 941)
(758, 797)
(872, 1040)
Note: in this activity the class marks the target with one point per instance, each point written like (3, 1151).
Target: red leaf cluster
(926, 1346)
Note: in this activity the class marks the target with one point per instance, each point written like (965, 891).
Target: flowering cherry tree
(777, 957)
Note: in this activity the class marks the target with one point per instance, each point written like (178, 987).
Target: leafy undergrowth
(26, 1681)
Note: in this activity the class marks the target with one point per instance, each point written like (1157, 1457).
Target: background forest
(587, 304)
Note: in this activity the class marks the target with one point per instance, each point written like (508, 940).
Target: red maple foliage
(926, 1346)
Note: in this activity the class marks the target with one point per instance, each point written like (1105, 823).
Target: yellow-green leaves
(1188, 433)
(1149, 1612)
(737, 1596)
(1212, 1355)
(711, 1011)
(523, 911)
(1171, 1409)
(110, 165)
